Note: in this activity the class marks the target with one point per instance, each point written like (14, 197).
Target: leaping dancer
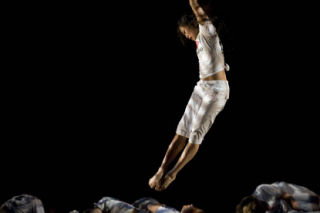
(207, 100)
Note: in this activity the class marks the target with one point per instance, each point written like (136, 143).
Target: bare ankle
(172, 175)
(161, 171)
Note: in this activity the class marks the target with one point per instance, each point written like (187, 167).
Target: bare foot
(167, 180)
(155, 180)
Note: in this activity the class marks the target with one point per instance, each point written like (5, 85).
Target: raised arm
(198, 11)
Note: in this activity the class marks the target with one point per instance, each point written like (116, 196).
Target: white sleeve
(114, 205)
(163, 209)
(207, 28)
(268, 193)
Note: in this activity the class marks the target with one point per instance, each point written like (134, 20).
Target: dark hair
(189, 19)
(4, 209)
(253, 205)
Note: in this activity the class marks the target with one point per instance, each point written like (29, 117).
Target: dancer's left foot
(166, 181)
(154, 182)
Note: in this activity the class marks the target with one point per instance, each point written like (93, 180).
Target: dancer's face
(189, 32)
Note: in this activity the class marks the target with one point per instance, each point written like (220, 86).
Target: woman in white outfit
(207, 100)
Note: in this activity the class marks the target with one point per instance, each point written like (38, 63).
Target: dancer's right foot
(155, 180)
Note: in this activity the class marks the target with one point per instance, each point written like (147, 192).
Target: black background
(92, 94)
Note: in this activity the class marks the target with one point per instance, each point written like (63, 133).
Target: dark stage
(93, 93)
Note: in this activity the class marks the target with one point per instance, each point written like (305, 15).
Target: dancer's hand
(191, 209)
(187, 208)
(96, 210)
